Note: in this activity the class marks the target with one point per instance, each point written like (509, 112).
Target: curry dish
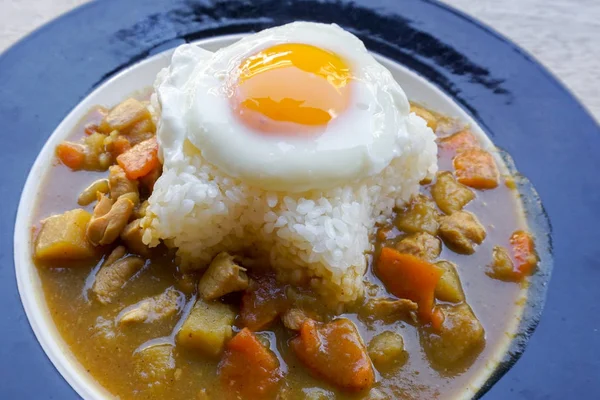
(444, 283)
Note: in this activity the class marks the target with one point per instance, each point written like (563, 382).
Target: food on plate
(276, 220)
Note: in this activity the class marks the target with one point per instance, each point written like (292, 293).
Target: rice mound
(317, 238)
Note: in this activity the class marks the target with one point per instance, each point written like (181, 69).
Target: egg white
(194, 93)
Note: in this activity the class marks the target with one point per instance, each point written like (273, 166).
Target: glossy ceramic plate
(525, 111)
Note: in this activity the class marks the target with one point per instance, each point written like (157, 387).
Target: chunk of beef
(114, 274)
(462, 231)
(422, 245)
(153, 308)
(223, 276)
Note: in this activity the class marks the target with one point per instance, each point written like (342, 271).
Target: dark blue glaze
(552, 139)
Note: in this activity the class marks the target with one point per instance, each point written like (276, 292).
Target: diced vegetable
(336, 353)
(223, 276)
(458, 142)
(64, 237)
(387, 350)
(523, 248)
(460, 338)
(462, 231)
(207, 328)
(262, 303)
(431, 119)
(422, 245)
(71, 154)
(124, 116)
(249, 370)
(155, 365)
(142, 130)
(140, 160)
(420, 216)
(476, 168)
(409, 277)
(449, 288)
(449, 195)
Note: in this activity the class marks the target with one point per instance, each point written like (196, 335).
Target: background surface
(562, 34)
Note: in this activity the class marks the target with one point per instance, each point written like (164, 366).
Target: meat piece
(459, 340)
(155, 365)
(389, 310)
(462, 231)
(386, 350)
(90, 194)
(140, 210)
(153, 308)
(420, 216)
(263, 302)
(448, 287)
(207, 328)
(149, 180)
(422, 245)
(294, 318)
(502, 267)
(335, 352)
(449, 195)
(106, 226)
(223, 276)
(63, 237)
(132, 237)
(113, 275)
(119, 183)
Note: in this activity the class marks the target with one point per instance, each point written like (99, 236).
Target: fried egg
(298, 107)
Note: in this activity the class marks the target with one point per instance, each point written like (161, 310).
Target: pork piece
(223, 276)
(132, 237)
(459, 340)
(155, 364)
(294, 318)
(389, 310)
(153, 308)
(420, 216)
(114, 274)
(448, 287)
(108, 220)
(462, 231)
(386, 350)
(63, 237)
(449, 195)
(336, 353)
(119, 184)
(422, 245)
(207, 328)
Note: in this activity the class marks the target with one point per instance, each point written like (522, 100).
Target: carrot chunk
(524, 252)
(460, 141)
(335, 352)
(140, 160)
(409, 277)
(262, 302)
(476, 168)
(248, 370)
(71, 154)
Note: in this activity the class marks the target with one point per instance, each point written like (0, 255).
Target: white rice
(317, 238)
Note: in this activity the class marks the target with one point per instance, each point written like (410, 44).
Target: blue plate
(552, 139)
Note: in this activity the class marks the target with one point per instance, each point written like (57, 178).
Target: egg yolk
(292, 88)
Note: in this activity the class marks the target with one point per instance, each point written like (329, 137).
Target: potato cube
(449, 195)
(448, 287)
(155, 364)
(64, 237)
(420, 216)
(124, 116)
(207, 328)
(387, 349)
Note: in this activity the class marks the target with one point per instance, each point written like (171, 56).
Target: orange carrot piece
(335, 352)
(460, 141)
(409, 277)
(140, 159)
(71, 154)
(523, 249)
(476, 168)
(248, 370)
(262, 302)
(437, 318)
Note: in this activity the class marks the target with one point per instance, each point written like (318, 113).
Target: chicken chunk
(387, 350)
(448, 287)
(119, 184)
(459, 340)
(462, 231)
(154, 308)
(114, 274)
(223, 276)
(449, 195)
(420, 216)
(422, 245)
(109, 220)
(132, 237)
(389, 310)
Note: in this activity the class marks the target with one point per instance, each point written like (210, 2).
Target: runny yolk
(292, 89)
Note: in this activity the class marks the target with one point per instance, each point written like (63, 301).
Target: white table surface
(562, 34)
